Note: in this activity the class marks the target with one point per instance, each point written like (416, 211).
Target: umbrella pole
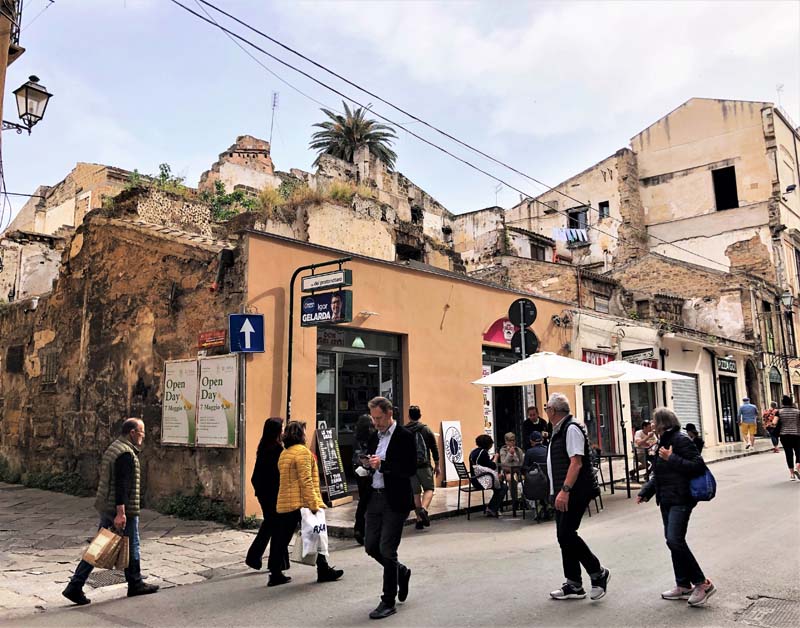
(546, 391)
(624, 440)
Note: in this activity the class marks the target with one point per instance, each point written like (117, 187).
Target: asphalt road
(498, 573)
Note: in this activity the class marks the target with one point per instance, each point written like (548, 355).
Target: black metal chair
(470, 488)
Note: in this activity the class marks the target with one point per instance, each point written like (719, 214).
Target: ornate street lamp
(787, 300)
(32, 99)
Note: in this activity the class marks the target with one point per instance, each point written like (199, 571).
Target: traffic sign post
(246, 332)
(522, 314)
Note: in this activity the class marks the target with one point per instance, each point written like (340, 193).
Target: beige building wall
(599, 183)
(440, 318)
(677, 153)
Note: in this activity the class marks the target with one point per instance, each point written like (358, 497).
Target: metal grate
(770, 612)
(49, 367)
(105, 578)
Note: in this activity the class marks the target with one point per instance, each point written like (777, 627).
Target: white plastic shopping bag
(314, 532)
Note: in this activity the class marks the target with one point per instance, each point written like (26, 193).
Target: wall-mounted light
(358, 343)
(32, 99)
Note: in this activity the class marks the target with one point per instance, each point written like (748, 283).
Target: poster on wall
(453, 448)
(179, 403)
(217, 407)
(488, 408)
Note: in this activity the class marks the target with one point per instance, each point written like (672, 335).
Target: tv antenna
(275, 97)
(779, 90)
(497, 189)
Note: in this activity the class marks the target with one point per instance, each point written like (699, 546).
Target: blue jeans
(133, 573)
(684, 564)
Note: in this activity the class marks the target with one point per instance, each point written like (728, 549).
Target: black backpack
(537, 484)
(422, 447)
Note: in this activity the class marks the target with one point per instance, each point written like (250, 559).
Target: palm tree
(343, 134)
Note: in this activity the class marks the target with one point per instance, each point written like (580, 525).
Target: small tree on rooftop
(342, 135)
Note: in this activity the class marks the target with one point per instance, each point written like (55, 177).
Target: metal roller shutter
(686, 402)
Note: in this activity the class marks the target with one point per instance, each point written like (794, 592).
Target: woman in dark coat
(364, 429)
(677, 462)
(266, 481)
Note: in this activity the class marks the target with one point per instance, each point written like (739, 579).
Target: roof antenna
(275, 96)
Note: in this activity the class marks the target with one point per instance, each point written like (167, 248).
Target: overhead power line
(423, 139)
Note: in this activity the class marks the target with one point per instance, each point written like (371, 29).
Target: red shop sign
(597, 358)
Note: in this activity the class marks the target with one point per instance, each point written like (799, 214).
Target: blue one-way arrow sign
(246, 332)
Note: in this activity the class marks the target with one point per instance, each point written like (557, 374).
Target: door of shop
(598, 417)
(508, 405)
(730, 408)
(352, 368)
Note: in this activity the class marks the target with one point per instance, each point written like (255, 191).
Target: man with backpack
(423, 482)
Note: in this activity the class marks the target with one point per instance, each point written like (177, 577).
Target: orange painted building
(416, 336)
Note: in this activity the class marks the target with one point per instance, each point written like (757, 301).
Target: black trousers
(791, 449)
(286, 524)
(259, 544)
(383, 535)
(574, 551)
(361, 509)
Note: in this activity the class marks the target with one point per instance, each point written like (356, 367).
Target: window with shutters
(49, 360)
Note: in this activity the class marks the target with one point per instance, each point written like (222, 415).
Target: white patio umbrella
(636, 373)
(548, 368)
(633, 374)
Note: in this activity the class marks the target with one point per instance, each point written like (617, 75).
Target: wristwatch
(566, 488)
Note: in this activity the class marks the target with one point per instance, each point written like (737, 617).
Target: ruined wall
(130, 297)
(28, 265)
(67, 202)
(247, 162)
(479, 237)
(161, 208)
(337, 227)
(715, 302)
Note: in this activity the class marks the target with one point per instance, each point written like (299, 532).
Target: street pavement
(489, 572)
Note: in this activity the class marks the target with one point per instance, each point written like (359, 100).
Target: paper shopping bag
(123, 554)
(103, 549)
(297, 552)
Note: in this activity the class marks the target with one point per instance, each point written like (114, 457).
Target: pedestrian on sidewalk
(423, 482)
(117, 502)
(691, 432)
(393, 459)
(770, 420)
(678, 461)
(299, 488)
(364, 429)
(748, 420)
(788, 419)
(266, 481)
(571, 487)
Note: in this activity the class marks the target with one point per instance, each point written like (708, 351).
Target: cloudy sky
(549, 87)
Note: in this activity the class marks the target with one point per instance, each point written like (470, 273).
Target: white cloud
(567, 67)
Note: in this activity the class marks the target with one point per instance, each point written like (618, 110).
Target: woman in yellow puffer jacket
(299, 488)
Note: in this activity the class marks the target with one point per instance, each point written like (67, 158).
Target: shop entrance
(598, 416)
(508, 406)
(642, 403)
(730, 408)
(354, 366)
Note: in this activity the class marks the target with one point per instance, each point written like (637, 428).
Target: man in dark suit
(393, 459)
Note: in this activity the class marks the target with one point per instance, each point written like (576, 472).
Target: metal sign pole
(311, 267)
(522, 330)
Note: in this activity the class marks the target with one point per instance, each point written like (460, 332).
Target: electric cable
(432, 144)
(548, 188)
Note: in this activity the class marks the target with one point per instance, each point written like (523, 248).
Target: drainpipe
(713, 356)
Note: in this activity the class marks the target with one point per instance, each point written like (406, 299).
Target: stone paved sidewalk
(43, 534)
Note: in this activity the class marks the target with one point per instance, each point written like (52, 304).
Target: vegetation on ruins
(342, 135)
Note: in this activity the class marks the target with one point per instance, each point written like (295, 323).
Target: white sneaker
(600, 584)
(568, 592)
(677, 593)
